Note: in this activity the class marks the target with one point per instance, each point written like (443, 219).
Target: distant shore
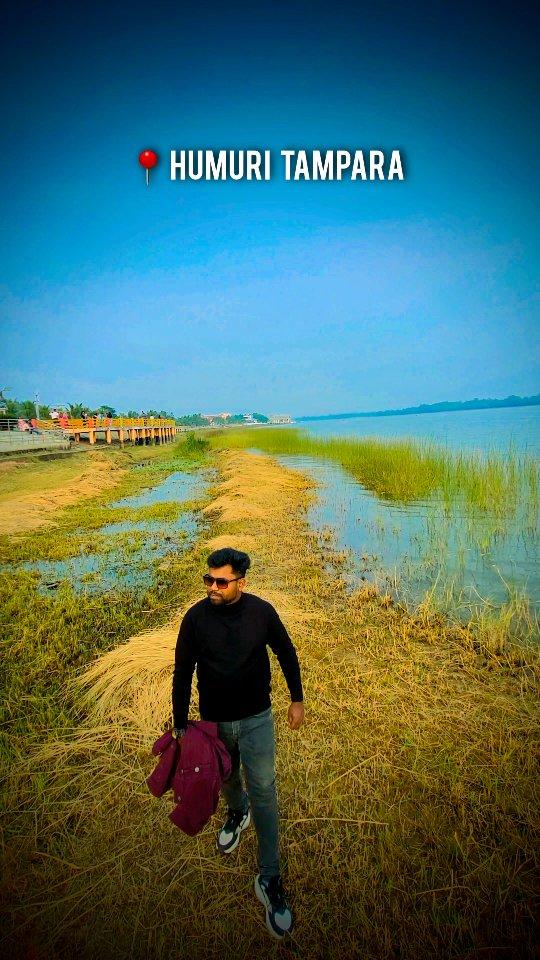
(446, 406)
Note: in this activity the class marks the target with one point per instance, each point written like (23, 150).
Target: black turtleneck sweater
(228, 644)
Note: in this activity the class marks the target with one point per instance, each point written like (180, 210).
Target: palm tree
(76, 410)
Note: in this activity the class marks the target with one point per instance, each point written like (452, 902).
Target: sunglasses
(220, 582)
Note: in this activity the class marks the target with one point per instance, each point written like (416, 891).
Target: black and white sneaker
(228, 837)
(279, 915)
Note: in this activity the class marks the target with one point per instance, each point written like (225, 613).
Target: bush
(194, 445)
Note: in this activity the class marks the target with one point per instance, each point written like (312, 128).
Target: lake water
(176, 488)
(465, 560)
(421, 547)
(516, 427)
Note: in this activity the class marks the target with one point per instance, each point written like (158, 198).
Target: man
(226, 635)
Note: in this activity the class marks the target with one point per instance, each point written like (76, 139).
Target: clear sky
(294, 297)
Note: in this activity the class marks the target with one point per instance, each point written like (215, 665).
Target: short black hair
(238, 560)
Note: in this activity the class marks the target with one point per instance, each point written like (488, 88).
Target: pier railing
(103, 423)
(134, 429)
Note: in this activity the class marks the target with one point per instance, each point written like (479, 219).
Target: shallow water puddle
(100, 572)
(176, 488)
(134, 565)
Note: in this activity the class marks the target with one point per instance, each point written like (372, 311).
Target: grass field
(408, 798)
(44, 638)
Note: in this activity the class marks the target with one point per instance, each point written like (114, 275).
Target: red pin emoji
(148, 159)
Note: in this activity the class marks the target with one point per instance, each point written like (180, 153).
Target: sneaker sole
(237, 841)
(265, 902)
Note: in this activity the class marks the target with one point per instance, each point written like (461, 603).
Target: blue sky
(297, 297)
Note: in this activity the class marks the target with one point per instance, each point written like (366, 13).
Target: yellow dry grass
(407, 798)
(32, 494)
(133, 681)
(238, 542)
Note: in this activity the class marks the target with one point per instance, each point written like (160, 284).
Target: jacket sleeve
(281, 644)
(184, 665)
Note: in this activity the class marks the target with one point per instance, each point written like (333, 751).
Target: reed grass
(407, 470)
(469, 506)
(407, 799)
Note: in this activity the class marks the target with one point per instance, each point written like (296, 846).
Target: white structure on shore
(212, 417)
(248, 418)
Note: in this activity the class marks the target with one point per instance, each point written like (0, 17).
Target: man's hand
(296, 714)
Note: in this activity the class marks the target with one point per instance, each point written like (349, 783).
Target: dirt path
(32, 493)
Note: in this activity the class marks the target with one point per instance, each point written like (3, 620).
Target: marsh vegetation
(411, 786)
(458, 531)
(71, 589)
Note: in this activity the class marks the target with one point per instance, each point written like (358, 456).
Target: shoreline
(425, 498)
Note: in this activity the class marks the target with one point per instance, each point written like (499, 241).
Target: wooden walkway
(121, 429)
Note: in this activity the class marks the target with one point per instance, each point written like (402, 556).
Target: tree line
(13, 409)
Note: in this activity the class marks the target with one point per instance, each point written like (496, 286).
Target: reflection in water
(176, 488)
(463, 558)
(134, 564)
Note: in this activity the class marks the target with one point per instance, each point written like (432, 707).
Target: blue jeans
(251, 741)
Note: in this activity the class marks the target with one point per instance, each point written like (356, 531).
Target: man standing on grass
(226, 635)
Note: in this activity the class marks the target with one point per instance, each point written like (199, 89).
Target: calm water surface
(516, 427)
(466, 560)
(136, 564)
(422, 547)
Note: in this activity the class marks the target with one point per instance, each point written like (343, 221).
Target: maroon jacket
(194, 772)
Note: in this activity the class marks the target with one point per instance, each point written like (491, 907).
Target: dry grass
(35, 492)
(407, 798)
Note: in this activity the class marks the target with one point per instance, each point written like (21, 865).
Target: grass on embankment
(46, 637)
(485, 497)
(32, 473)
(73, 527)
(407, 798)
(407, 470)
